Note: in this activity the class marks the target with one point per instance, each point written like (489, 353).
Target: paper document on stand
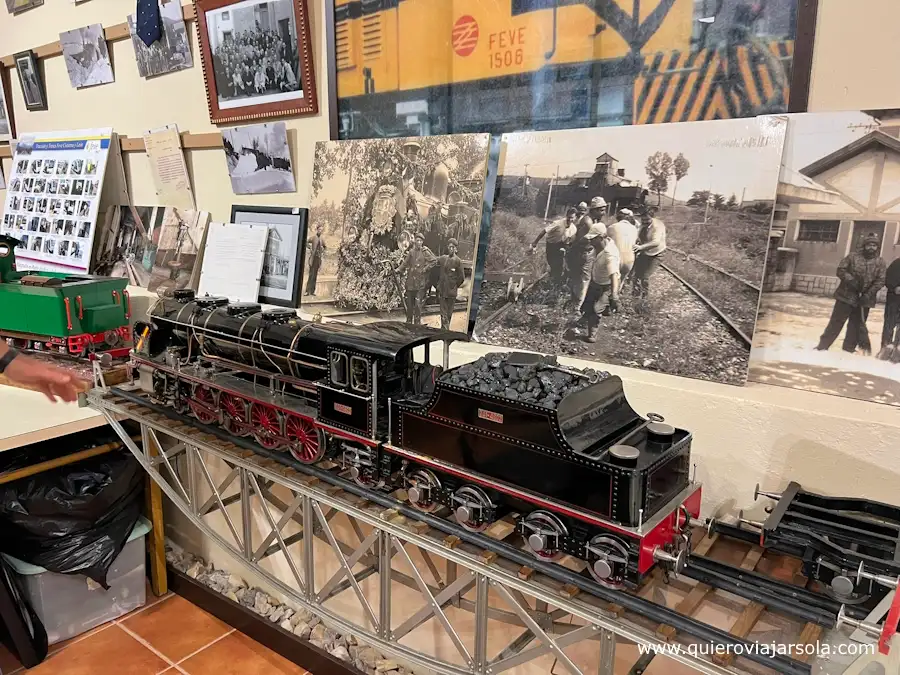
(170, 176)
(233, 260)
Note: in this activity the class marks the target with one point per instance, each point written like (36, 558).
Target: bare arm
(50, 380)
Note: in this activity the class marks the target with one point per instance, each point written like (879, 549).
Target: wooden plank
(41, 467)
(810, 636)
(751, 613)
(695, 596)
(156, 540)
(112, 33)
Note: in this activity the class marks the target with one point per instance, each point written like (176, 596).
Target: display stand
(357, 575)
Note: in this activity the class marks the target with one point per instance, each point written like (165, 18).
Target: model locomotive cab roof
(385, 339)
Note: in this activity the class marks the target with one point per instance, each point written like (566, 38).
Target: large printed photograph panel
(451, 66)
(830, 308)
(393, 229)
(678, 214)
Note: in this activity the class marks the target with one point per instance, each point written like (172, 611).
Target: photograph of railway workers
(451, 276)
(861, 275)
(647, 253)
(624, 235)
(398, 226)
(833, 269)
(557, 237)
(315, 249)
(415, 266)
(659, 236)
(602, 294)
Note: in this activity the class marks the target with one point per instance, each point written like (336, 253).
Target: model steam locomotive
(77, 315)
(511, 433)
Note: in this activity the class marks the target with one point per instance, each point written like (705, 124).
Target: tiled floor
(168, 635)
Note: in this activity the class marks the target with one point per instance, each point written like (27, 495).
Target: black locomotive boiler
(510, 433)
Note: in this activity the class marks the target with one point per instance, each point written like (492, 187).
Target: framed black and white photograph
(257, 58)
(32, 85)
(640, 246)
(86, 56)
(283, 263)
(7, 125)
(171, 52)
(258, 158)
(17, 6)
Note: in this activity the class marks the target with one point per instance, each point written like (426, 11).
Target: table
(27, 417)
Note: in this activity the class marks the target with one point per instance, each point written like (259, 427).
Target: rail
(724, 318)
(489, 563)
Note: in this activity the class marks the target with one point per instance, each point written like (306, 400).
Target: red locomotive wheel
(266, 425)
(203, 405)
(304, 440)
(235, 415)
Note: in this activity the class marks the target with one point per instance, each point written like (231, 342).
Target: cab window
(339, 369)
(359, 375)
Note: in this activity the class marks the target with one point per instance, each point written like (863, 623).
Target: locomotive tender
(560, 448)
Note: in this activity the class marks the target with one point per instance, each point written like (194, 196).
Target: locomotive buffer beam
(637, 605)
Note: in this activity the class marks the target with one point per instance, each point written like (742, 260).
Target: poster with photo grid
(53, 197)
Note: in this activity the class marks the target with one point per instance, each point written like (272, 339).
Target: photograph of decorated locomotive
(77, 315)
(559, 449)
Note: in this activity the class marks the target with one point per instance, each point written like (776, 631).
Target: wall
(132, 105)
(742, 436)
(856, 43)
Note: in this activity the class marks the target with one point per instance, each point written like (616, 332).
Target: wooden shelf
(112, 33)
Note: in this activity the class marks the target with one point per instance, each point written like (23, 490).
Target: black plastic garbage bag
(74, 519)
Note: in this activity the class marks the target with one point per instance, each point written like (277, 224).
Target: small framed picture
(7, 125)
(30, 78)
(257, 58)
(283, 263)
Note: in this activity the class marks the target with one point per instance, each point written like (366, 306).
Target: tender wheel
(203, 405)
(608, 560)
(266, 425)
(422, 486)
(474, 509)
(234, 417)
(543, 533)
(306, 443)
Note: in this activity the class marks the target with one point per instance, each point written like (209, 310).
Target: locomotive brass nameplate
(343, 409)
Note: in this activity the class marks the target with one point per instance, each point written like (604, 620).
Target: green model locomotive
(76, 315)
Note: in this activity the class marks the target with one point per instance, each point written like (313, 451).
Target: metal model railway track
(732, 327)
(490, 561)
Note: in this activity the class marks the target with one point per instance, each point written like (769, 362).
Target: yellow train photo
(407, 67)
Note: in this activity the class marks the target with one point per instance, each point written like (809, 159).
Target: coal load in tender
(542, 383)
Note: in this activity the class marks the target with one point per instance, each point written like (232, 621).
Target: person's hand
(52, 381)
(614, 302)
(532, 249)
(636, 248)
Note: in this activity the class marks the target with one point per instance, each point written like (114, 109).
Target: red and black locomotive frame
(440, 442)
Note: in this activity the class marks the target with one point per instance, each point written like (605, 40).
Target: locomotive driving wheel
(203, 404)
(234, 417)
(543, 533)
(266, 425)
(306, 443)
